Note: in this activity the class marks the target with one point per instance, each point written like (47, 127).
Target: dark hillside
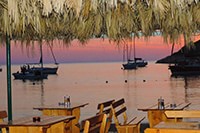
(185, 53)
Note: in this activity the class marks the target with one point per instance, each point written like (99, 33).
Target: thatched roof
(84, 19)
(184, 54)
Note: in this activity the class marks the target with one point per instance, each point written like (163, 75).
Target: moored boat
(37, 67)
(185, 69)
(133, 64)
(40, 66)
(137, 62)
(36, 75)
(129, 65)
(140, 62)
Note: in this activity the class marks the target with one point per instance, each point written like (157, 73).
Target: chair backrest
(105, 107)
(119, 109)
(95, 124)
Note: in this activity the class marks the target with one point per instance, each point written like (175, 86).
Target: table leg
(73, 124)
(75, 128)
(155, 117)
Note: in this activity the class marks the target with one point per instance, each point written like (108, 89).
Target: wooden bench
(105, 107)
(95, 124)
(3, 115)
(118, 110)
(156, 115)
(177, 125)
(180, 114)
(174, 127)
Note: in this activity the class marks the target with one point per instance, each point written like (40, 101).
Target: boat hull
(185, 70)
(45, 70)
(141, 64)
(129, 66)
(29, 76)
(134, 64)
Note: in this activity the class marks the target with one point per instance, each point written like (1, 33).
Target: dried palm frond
(94, 5)
(3, 4)
(75, 4)
(195, 13)
(47, 7)
(84, 19)
(86, 8)
(145, 15)
(58, 6)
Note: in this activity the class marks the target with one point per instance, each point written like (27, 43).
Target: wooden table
(178, 127)
(47, 124)
(73, 109)
(156, 115)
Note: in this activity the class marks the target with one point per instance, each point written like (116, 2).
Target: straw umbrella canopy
(85, 19)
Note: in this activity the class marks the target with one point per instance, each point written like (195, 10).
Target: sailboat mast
(133, 41)
(41, 56)
(127, 52)
(124, 52)
(50, 46)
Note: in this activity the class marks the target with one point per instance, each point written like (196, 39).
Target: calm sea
(97, 82)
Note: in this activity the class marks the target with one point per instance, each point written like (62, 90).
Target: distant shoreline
(96, 62)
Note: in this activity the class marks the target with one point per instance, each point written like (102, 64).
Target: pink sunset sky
(95, 50)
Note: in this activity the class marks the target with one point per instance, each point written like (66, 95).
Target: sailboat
(36, 71)
(40, 67)
(130, 64)
(136, 62)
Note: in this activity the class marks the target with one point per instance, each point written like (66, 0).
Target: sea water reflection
(98, 82)
(192, 91)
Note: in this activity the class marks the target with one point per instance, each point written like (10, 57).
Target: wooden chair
(105, 107)
(95, 124)
(119, 110)
(3, 115)
(178, 115)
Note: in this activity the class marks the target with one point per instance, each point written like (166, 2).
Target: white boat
(36, 75)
